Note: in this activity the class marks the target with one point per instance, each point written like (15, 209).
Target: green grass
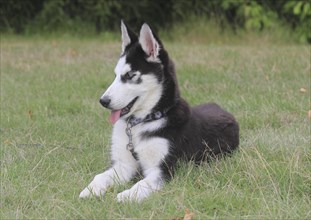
(55, 136)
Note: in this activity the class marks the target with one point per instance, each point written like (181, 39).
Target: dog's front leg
(118, 173)
(141, 190)
(151, 153)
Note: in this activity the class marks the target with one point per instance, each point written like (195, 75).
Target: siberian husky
(153, 126)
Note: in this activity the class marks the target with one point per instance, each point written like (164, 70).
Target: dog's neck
(153, 116)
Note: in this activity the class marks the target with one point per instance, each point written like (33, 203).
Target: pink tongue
(114, 116)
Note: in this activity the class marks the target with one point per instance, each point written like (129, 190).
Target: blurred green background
(91, 17)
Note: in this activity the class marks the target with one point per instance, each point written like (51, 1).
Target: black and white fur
(145, 76)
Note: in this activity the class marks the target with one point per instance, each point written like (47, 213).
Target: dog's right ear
(128, 36)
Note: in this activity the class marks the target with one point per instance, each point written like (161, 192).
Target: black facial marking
(129, 78)
(137, 58)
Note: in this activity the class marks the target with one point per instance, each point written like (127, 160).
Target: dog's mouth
(116, 114)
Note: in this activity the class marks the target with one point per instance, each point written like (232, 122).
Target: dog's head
(137, 87)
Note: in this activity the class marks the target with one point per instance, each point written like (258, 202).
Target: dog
(153, 126)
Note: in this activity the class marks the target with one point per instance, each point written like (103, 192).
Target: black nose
(105, 101)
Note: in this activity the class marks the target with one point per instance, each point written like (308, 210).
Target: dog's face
(136, 88)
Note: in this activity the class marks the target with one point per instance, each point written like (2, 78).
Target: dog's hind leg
(118, 173)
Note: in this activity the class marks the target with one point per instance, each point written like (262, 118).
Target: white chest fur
(150, 150)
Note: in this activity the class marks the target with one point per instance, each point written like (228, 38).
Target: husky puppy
(153, 126)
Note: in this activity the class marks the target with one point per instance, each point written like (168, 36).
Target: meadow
(55, 135)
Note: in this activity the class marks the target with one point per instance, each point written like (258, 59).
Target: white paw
(129, 196)
(124, 196)
(95, 188)
(85, 193)
(136, 194)
(92, 191)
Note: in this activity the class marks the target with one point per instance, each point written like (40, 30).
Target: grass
(55, 136)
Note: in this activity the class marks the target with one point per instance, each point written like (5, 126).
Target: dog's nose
(105, 101)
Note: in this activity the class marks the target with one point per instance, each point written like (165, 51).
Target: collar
(133, 121)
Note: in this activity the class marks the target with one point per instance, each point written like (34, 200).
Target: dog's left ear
(127, 35)
(148, 42)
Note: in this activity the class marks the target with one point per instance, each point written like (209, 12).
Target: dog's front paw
(85, 193)
(123, 196)
(135, 194)
(92, 191)
(95, 188)
(128, 196)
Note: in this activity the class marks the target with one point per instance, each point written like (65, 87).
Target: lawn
(55, 136)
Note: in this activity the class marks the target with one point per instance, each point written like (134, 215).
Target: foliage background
(98, 16)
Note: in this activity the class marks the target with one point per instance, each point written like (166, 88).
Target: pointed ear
(127, 36)
(148, 42)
